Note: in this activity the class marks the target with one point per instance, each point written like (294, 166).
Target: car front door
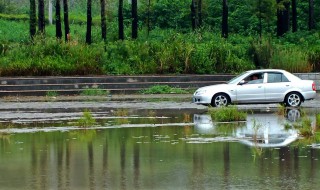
(250, 92)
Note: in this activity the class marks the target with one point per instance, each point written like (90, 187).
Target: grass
(86, 120)
(94, 92)
(163, 89)
(227, 114)
(317, 120)
(51, 94)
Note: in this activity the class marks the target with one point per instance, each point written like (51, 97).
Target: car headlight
(200, 92)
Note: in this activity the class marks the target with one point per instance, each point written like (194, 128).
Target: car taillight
(314, 86)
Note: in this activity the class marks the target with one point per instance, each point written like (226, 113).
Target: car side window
(256, 78)
(277, 77)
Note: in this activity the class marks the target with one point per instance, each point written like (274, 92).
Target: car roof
(266, 70)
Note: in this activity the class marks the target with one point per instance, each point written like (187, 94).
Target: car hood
(212, 89)
(216, 86)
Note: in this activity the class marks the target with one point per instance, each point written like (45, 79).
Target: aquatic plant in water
(86, 120)
(227, 114)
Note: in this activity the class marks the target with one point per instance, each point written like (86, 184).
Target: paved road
(171, 101)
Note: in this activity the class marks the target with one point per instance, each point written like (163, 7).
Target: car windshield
(237, 78)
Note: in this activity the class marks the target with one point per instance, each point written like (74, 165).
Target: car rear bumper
(309, 95)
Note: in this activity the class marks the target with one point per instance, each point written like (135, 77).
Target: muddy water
(155, 149)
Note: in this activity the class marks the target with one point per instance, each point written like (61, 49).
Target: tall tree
(134, 13)
(311, 23)
(148, 17)
(225, 13)
(58, 20)
(120, 20)
(33, 18)
(194, 14)
(66, 20)
(265, 11)
(89, 21)
(282, 17)
(41, 17)
(200, 13)
(103, 20)
(294, 15)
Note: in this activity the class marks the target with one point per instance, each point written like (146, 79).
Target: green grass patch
(51, 94)
(86, 120)
(94, 92)
(227, 114)
(163, 89)
(304, 127)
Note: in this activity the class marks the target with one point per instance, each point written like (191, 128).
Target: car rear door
(276, 86)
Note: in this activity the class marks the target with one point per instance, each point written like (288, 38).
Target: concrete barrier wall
(310, 76)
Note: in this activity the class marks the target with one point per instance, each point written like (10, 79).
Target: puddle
(155, 149)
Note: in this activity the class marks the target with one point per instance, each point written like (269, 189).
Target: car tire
(220, 100)
(293, 99)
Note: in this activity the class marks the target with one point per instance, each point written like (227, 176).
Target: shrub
(86, 120)
(227, 114)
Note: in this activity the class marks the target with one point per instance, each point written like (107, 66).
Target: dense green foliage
(170, 47)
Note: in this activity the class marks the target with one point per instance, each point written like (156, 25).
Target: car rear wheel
(220, 100)
(293, 99)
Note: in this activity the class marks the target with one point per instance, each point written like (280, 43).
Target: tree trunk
(33, 18)
(89, 21)
(103, 20)
(120, 20)
(148, 20)
(134, 13)
(225, 19)
(294, 16)
(66, 20)
(283, 19)
(193, 15)
(312, 24)
(41, 18)
(200, 13)
(50, 12)
(58, 20)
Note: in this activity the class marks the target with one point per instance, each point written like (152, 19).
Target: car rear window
(277, 77)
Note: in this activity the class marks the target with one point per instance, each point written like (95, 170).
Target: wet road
(43, 109)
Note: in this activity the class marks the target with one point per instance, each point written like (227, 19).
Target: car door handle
(259, 86)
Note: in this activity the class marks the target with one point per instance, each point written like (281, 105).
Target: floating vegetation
(304, 127)
(227, 114)
(86, 120)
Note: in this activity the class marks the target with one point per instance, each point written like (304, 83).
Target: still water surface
(186, 151)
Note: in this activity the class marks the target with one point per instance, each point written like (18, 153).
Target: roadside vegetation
(163, 89)
(155, 38)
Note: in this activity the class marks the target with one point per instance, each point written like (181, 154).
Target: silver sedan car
(258, 86)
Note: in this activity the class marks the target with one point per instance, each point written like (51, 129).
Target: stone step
(26, 86)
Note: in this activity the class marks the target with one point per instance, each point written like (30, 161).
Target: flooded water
(156, 149)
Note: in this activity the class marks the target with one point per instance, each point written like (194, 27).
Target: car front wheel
(220, 100)
(293, 99)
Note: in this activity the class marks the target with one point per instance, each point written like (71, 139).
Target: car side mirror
(242, 82)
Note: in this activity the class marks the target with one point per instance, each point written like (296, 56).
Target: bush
(227, 114)
(291, 59)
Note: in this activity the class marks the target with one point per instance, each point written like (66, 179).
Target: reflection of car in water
(262, 130)
(293, 114)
